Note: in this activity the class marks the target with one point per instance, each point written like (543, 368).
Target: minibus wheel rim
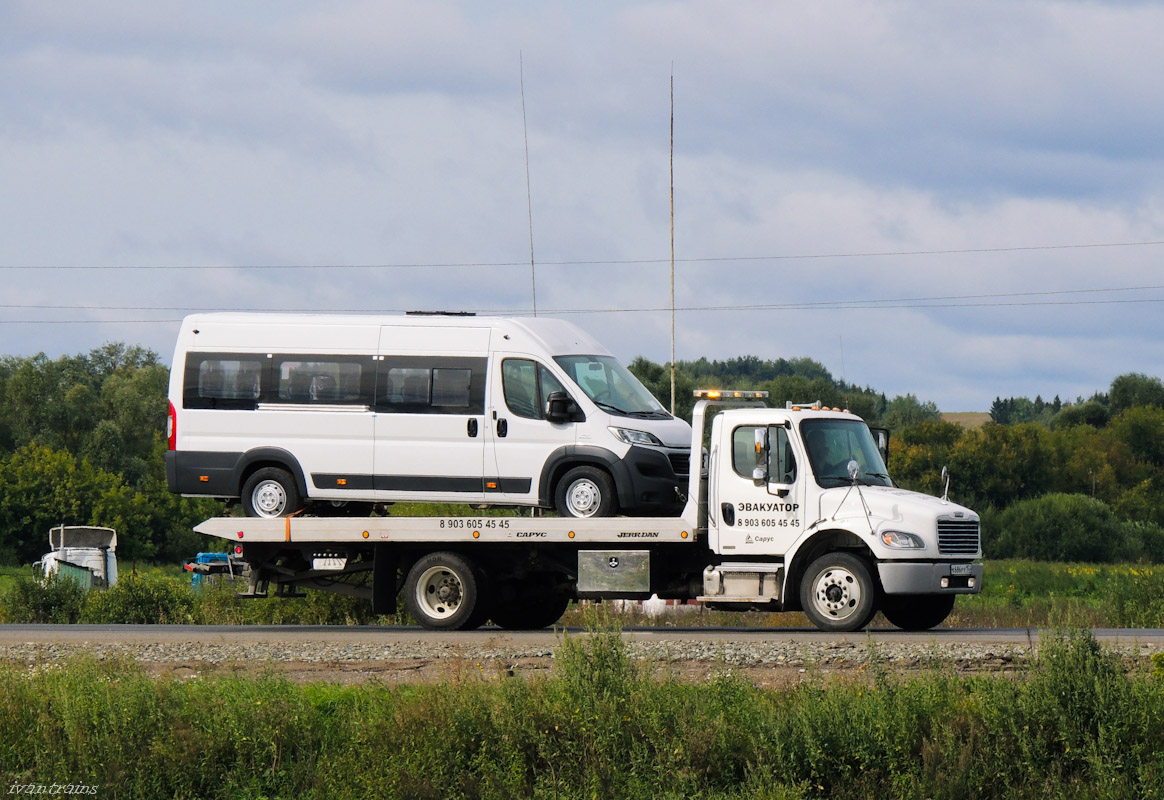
(269, 498)
(584, 497)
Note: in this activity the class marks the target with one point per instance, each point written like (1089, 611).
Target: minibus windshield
(611, 386)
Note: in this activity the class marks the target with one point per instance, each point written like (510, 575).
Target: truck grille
(958, 537)
(680, 462)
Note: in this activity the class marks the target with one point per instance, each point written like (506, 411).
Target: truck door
(522, 438)
(758, 504)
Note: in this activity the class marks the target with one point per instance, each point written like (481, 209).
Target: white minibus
(341, 412)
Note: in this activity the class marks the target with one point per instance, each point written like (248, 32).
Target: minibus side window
(407, 387)
(431, 385)
(320, 382)
(526, 385)
(222, 381)
(450, 388)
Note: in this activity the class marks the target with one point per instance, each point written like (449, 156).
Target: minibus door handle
(472, 427)
(502, 428)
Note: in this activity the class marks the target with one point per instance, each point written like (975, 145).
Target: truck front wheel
(837, 593)
(917, 612)
(444, 591)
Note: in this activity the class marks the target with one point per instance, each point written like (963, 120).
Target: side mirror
(882, 437)
(561, 408)
(853, 468)
(760, 472)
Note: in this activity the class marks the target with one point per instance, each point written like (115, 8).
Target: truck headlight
(900, 540)
(631, 436)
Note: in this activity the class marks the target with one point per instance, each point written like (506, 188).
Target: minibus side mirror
(561, 408)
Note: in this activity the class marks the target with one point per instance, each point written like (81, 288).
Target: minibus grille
(681, 463)
(958, 537)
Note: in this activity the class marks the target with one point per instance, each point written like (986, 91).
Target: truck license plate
(961, 569)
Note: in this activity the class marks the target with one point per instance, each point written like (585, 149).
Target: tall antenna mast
(672, 237)
(533, 287)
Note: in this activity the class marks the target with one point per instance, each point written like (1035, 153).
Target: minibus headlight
(902, 541)
(631, 436)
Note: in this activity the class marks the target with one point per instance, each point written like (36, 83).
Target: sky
(956, 200)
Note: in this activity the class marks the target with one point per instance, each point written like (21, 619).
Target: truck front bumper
(905, 577)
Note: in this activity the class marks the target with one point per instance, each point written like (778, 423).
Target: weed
(1075, 726)
(40, 599)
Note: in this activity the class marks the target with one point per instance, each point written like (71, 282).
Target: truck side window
(526, 385)
(781, 461)
(744, 450)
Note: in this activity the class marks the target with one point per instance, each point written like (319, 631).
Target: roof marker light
(716, 394)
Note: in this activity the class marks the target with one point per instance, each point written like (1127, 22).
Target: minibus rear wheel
(270, 492)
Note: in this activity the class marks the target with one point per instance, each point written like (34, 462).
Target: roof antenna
(528, 197)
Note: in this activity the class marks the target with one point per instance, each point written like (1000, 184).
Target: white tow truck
(787, 509)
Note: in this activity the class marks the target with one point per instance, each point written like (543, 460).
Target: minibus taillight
(172, 428)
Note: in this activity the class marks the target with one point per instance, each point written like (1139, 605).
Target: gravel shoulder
(770, 658)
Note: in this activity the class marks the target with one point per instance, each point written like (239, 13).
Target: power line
(997, 300)
(608, 262)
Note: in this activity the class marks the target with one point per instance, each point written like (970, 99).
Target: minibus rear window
(215, 382)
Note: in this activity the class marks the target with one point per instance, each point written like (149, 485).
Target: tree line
(82, 442)
(797, 380)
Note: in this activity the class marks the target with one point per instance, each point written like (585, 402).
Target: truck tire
(917, 612)
(585, 492)
(444, 591)
(838, 593)
(270, 492)
(530, 612)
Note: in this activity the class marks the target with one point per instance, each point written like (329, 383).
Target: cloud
(368, 133)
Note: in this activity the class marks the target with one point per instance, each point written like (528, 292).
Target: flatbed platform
(499, 530)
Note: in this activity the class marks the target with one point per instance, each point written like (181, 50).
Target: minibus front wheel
(586, 492)
(270, 492)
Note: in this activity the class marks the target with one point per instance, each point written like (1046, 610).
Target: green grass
(1076, 725)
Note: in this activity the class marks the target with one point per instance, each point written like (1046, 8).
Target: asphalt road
(286, 634)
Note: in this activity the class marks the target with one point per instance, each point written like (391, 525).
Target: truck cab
(801, 514)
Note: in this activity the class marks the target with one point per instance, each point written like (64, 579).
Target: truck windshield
(833, 443)
(611, 386)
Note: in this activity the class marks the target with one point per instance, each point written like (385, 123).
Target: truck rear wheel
(444, 591)
(837, 593)
(917, 612)
(270, 492)
(585, 492)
